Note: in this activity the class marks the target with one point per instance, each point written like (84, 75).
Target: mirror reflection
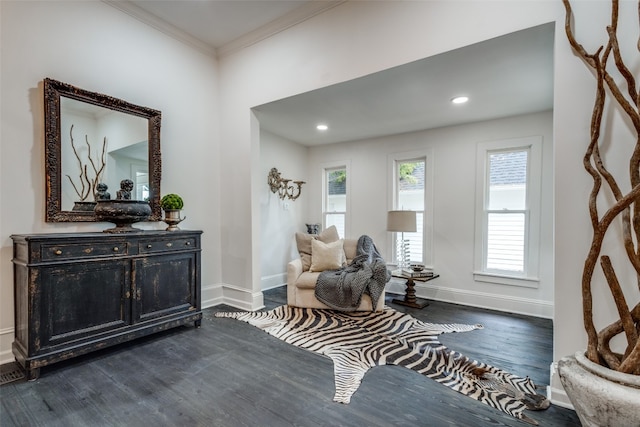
(100, 145)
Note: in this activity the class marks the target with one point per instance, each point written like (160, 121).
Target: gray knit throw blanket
(342, 289)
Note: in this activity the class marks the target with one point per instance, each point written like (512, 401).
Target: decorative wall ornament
(281, 185)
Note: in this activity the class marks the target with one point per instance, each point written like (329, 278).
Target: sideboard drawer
(82, 250)
(164, 245)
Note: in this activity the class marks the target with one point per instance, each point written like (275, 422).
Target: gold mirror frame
(53, 90)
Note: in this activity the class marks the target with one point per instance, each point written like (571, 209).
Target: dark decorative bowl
(122, 213)
(417, 267)
(84, 206)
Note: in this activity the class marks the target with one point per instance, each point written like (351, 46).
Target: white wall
(323, 51)
(451, 208)
(281, 219)
(98, 48)
(358, 38)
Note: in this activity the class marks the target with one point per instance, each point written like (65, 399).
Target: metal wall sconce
(281, 185)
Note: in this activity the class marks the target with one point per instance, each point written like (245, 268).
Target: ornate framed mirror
(92, 139)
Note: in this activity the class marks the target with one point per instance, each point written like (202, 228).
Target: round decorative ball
(171, 201)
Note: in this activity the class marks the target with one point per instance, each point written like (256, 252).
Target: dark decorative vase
(313, 228)
(122, 213)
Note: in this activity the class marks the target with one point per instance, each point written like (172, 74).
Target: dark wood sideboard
(79, 292)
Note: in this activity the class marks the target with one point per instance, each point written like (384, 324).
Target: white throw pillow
(303, 242)
(326, 256)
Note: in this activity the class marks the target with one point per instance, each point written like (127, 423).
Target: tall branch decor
(626, 208)
(88, 184)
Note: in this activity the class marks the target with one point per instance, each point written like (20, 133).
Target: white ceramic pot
(600, 396)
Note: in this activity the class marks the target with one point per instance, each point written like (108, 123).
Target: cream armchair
(301, 282)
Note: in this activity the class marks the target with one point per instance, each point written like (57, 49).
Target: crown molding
(301, 14)
(160, 24)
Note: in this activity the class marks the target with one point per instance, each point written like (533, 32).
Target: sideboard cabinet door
(79, 302)
(164, 285)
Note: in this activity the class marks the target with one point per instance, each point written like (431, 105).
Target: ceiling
(220, 27)
(504, 76)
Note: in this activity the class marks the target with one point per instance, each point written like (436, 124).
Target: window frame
(394, 161)
(530, 276)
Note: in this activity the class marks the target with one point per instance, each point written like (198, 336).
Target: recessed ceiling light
(322, 127)
(460, 99)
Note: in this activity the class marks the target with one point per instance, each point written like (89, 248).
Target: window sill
(501, 279)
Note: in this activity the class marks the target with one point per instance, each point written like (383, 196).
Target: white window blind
(335, 199)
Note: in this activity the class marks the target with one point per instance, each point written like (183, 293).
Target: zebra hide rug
(359, 341)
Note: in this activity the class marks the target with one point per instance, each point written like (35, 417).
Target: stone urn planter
(600, 396)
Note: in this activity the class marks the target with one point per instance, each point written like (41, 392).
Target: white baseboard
(211, 295)
(527, 306)
(559, 398)
(273, 281)
(6, 338)
(555, 391)
(6, 356)
(244, 299)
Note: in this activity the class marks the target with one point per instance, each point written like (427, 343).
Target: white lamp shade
(403, 221)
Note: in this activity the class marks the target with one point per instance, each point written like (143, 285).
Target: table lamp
(401, 222)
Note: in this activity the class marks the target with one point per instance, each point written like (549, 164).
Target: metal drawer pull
(188, 243)
(169, 244)
(148, 246)
(58, 252)
(116, 249)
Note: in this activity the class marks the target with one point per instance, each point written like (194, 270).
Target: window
(335, 199)
(410, 180)
(508, 206)
(141, 180)
(506, 211)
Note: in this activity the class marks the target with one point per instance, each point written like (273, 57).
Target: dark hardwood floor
(229, 373)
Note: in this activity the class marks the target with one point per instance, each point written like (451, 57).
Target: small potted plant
(171, 205)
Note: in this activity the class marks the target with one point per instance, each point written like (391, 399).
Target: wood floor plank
(229, 373)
